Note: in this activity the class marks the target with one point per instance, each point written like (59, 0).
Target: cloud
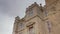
(8, 7)
(16, 7)
(6, 24)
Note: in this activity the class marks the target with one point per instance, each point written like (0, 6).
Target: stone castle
(39, 20)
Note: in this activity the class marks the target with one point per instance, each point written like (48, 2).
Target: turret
(17, 19)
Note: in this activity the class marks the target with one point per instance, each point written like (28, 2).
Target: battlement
(32, 6)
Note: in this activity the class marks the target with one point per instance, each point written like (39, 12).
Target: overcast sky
(9, 9)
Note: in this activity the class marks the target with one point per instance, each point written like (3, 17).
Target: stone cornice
(30, 7)
(34, 17)
(29, 24)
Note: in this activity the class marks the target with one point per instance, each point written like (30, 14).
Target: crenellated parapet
(33, 5)
(18, 20)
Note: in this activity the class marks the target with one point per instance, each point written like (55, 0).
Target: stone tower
(33, 22)
(53, 11)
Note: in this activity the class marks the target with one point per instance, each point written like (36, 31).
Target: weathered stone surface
(54, 15)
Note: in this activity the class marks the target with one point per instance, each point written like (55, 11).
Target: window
(46, 14)
(31, 30)
(31, 13)
(49, 26)
(21, 25)
(38, 11)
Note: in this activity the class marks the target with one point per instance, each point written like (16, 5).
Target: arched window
(31, 27)
(31, 13)
(31, 30)
(21, 25)
(49, 25)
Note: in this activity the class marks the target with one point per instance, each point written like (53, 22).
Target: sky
(9, 9)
